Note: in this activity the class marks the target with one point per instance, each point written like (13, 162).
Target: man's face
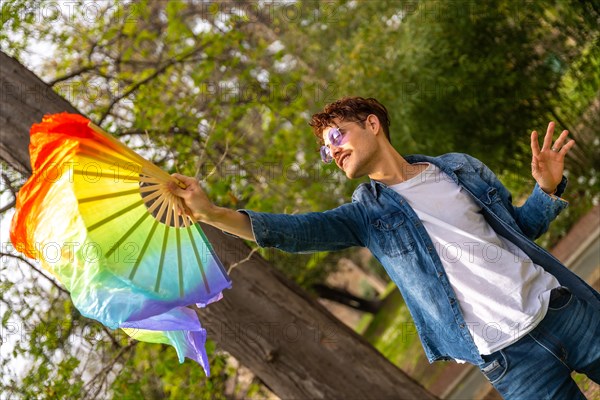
(352, 154)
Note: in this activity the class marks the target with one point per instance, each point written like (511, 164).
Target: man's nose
(334, 150)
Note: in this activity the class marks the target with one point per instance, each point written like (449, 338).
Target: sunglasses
(335, 138)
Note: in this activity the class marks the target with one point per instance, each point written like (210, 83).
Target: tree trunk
(24, 99)
(292, 343)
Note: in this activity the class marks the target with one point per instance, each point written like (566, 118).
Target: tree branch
(144, 81)
(8, 183)
(8, 206)
(72, 74)
(39, 271)
(104, 371)
(232, 266)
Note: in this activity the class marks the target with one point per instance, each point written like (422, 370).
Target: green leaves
(224, 90)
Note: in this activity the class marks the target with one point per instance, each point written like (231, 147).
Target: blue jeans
(539, 365)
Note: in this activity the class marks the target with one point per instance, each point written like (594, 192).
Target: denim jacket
(380, 219)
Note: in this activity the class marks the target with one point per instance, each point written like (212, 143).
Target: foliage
(56, 345)
(223, 91)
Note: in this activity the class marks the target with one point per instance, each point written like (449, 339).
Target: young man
(477, 286)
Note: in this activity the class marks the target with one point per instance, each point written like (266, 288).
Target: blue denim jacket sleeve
(538, 211)
(342, 227)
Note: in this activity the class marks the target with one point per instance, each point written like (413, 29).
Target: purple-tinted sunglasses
(335, 138)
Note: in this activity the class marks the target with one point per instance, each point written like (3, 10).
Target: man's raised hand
(547, 163)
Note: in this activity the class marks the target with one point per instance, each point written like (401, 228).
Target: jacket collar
(448, 163)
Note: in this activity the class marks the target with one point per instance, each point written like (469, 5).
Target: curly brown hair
(352, 109)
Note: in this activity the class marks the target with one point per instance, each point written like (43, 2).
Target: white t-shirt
(502, 294)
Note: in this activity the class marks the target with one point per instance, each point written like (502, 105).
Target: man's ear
(373, 123)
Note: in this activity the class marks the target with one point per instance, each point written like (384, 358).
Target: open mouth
(343, 160)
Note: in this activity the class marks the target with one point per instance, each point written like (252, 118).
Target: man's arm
(202, 209)
(336, 229)
(340, 228)
(547, 165)
(538, 211)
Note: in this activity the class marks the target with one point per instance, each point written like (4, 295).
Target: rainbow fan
(101, 219)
